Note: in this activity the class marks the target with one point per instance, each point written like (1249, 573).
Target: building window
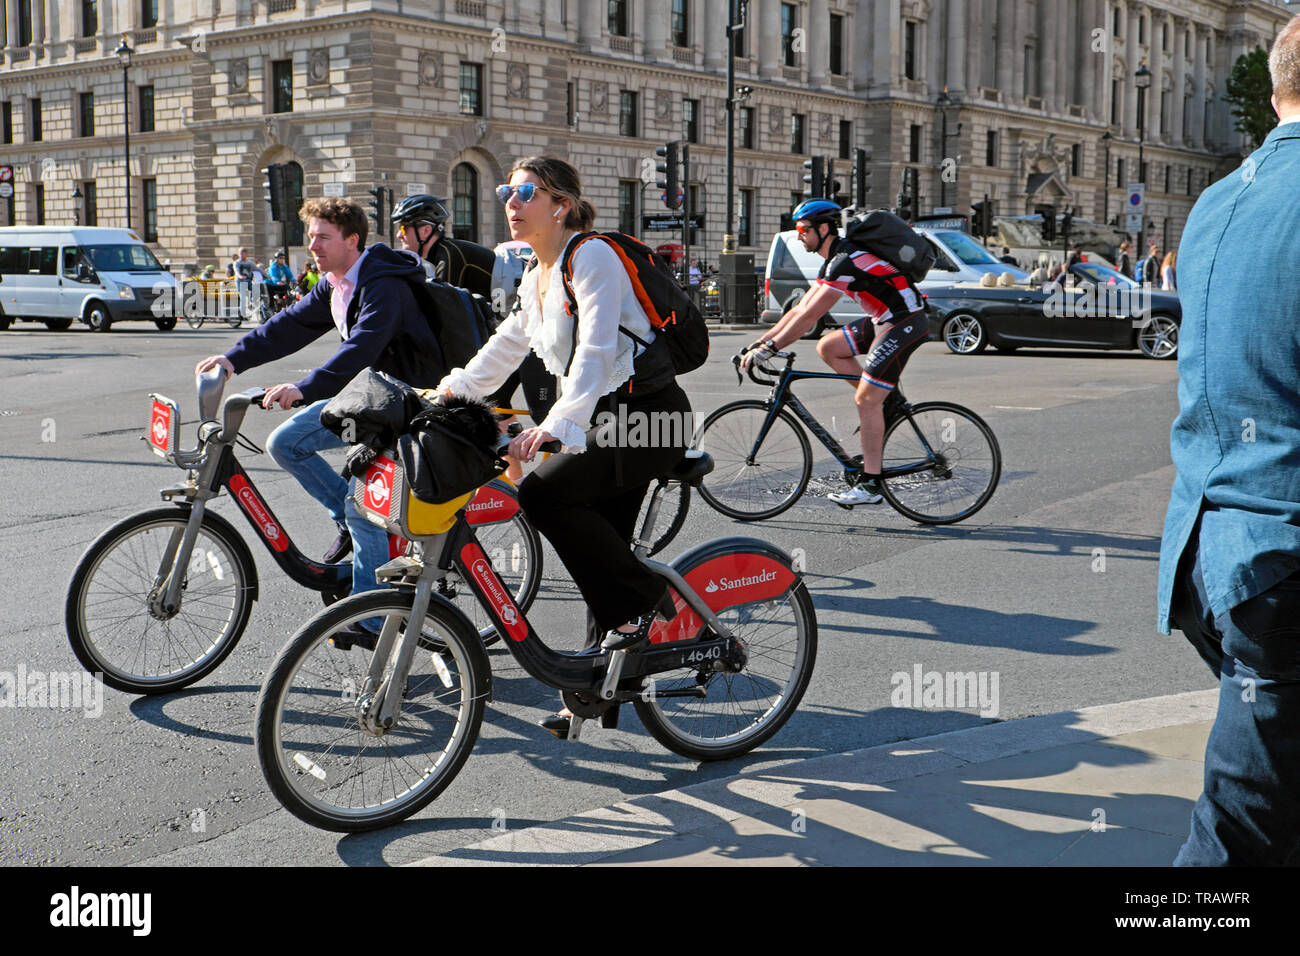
(1142, 108)
(148, 14)
(696, 205)
(24, 22)
(1119, 174)
(914, 143)
(146, 109)
(1164, 37)
(90, 201)
(846, 139)
(1189, 180)
(909, 49)
(86, 108)
(464, 202)
(1166, 97)
(627, 113)
(471, 89)
(1143, 170)
(837, 44)
(1168, 176)
(797, 134)
(681, 18)
(691, 120)
(618, 17)
(149, 206)
(745, 230)
(569, 115)
(7, 121)
(293, 188)
(1076, 159)
(629, 191)
(1187, 44)
(281, 86)
(741, 47)
(1116, 98)
(1115, 23)
(89, 17)
(1031, 71)
(1142, 29)
(789, 23)
(746, 127)
(38, 204)
(990, 149)
(36, 119)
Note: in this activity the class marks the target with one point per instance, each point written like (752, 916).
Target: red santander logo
(379, 485)
(491, 587)
(249, 501)
(491, 506)
(160, 427)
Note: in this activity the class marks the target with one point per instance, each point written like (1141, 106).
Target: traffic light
(906, 205)
(377, 209)
(669, 181)
(815, 178)
(273, 183)
(1067, 221)
(861, 178)
(1048, 225)
(982, 221)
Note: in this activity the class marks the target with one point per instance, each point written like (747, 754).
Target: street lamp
(1105, 183)
(123, 53)
(943, 102)
(1142, 80)
(735, 24)
(76, 204)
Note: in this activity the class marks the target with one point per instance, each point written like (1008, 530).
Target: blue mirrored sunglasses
(525, 191)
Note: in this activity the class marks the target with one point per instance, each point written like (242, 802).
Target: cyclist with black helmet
(892, 329)
(421, 228)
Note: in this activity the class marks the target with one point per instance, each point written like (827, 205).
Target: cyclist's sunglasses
(804, 230)
(404, 227)
(525, 192)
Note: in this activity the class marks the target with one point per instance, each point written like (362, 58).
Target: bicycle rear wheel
(739, 711)
(319, 761)
(750, 490)
(967, 463)
(113, 627)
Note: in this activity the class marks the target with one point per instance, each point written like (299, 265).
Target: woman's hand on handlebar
(286, 396)
(528, 444)
(211, 362)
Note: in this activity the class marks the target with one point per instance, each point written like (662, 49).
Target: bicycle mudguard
(726, 573)
(494, 503)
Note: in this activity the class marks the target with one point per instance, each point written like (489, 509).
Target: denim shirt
(1236, 440)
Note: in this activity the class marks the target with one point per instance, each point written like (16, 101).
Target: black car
(1095, 307)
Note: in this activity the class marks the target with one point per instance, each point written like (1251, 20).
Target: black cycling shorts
(887, 348)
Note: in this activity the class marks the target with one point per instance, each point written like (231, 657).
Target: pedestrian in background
(1008, 258)
(1124, 266)
(1168, 276)
(1150, 267)
(1230, 554)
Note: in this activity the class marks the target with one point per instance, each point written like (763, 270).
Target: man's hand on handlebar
(283, 395)
(528, 443)
(211, 362)
(758, 353)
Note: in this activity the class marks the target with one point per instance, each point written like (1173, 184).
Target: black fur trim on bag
(473, 420)
(450, 450)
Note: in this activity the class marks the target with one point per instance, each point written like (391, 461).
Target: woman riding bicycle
(584, 500)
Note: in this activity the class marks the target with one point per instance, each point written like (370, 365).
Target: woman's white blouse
(604, 356)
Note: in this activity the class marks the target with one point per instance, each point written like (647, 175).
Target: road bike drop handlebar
(753, 369)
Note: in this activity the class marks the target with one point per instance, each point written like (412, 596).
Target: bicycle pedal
(844, 506)
(609, 719)
(575, 726)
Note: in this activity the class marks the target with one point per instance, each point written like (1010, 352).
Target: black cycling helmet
(421, 208)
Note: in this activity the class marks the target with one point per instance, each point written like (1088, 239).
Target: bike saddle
(693, 468)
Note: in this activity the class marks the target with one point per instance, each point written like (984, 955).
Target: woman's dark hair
(561, 180)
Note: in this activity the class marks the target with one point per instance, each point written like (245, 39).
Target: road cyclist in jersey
(893, 328)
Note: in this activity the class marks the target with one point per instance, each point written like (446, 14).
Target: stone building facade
(445, 94)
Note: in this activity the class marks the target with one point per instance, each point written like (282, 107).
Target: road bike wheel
(319, 762)
(515, 551)
(966, 472)
(740, 710)
(107, 614)
(773, 481)
(673, 507)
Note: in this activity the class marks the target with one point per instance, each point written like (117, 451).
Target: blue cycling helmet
(818, 211)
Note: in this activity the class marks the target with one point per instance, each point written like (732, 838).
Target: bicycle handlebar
(514, 429)
(753, 369)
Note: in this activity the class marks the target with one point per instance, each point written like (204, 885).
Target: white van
(791, 270)
(59, 275)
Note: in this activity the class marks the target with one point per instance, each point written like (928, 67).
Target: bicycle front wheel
(739, 711)
(113, 616)
(746, 483)
(319, 758)
(966, 463)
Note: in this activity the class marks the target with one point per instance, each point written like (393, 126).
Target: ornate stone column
(656, 29)
(1197, 132)
(591, 23)
(768, 36)
(888, 30)
(1047, 53)
(710, 29)
(1180, 83)
(956, 71)
(1065, 61)
(1017, 39)
(1105, 61)
(1006, 69)
(1132, 60)
(975, 47)
(819, 50)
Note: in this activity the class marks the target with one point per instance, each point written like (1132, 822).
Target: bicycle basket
(384, 498)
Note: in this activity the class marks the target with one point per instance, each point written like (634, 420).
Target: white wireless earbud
(559, 215)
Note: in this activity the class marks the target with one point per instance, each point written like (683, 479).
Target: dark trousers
(1249, 813)
(586, 505)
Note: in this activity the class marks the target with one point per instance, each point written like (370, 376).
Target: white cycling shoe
(857, 495)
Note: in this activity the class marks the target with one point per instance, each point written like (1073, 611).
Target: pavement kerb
(608, 831)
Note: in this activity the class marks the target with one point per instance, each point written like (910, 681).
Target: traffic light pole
(729, 236)
(686, 206)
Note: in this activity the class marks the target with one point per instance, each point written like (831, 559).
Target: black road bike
(940, 462)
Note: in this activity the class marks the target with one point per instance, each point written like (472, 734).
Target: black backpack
(461, 321)
(672, 314)
(883, 234)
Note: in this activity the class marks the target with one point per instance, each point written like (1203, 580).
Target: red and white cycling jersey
(884, 293)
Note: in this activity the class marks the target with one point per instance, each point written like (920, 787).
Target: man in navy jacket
(365, 296)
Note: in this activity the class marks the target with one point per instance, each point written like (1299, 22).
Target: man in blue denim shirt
(1230, 557)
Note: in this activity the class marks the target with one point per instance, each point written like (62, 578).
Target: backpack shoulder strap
(566, 277)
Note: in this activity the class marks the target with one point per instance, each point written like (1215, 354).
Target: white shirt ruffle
(604, 356)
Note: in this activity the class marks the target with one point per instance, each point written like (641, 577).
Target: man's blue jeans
(1249, 814)
(295, 446)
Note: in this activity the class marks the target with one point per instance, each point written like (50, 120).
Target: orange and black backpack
(674, 317)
